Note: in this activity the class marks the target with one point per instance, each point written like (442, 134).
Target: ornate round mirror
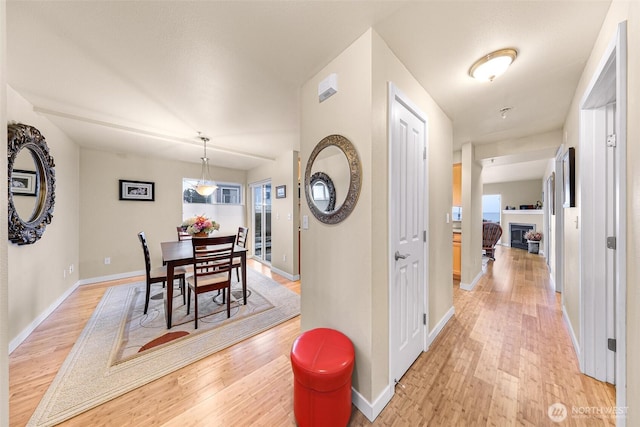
(323, 192)
(31, 183)
(332, 179)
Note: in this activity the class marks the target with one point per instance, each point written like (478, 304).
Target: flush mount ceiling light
(492, 65)
(205, 185)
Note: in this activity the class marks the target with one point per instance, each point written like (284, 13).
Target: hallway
(503, 359)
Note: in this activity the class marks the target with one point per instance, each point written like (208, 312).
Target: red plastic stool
(322, 362)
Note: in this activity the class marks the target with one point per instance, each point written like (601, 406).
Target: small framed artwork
(281, 191)
(24, 183)
(137, 190)
(569, 178)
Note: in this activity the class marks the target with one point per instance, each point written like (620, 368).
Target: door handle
(398, 256)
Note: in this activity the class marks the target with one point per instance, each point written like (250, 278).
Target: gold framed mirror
(332, 179)
(31, 183)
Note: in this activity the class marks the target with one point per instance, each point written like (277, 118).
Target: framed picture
(24, 183)
(569, 178)
(137, 190)
(281, 191)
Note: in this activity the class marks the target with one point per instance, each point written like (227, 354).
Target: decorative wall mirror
(332, 179)
(31, 183)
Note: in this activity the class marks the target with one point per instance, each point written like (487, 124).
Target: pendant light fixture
(493, 64)
(206, 186)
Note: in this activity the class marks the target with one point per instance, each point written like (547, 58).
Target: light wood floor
(501, 360)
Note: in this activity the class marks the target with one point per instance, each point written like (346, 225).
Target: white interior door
(407, 234)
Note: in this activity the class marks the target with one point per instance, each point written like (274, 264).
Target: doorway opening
(603, 115)
(261, 221)
(491, 208)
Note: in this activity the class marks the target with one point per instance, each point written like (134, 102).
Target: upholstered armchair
(491, 233)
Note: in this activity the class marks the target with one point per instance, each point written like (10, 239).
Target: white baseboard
(371, 410)
(574, 340)
(284, 274)
(118, 276)
(469, 287)
(441, 324)
(38, 320)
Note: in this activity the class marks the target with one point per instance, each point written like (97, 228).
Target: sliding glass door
(261, 220)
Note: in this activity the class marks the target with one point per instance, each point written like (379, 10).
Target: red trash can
(322, 361)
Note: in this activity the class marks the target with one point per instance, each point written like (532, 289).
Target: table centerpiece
(199, 226)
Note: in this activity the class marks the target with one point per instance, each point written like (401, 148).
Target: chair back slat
(242, 236)
(147, 256)
(183, 235)
(491, 233)
(212, 255)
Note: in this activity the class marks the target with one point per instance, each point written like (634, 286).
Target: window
(225, 194)
(491, 208)
(228, 194)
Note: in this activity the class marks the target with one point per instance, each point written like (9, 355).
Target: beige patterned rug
(121, 348)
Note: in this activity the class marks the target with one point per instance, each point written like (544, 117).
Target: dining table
(179, 253)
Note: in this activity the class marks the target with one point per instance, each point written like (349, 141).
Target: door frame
(396, 95)
(253, 186)
(559, 231)
(610, 76)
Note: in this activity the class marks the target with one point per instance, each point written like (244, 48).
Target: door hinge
(611, 140)
(424, 235)
(424, 153)
(611, 344)
(611, 242)
(424, 318)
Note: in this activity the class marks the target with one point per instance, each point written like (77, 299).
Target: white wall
(619, 11)
(517, 193)
(109, 227)
(36, 272)
(345, 266)
(471, 251)
(336, 287)
(285, 213)
(4, 277)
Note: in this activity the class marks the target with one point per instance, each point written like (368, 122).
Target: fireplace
(517, 232)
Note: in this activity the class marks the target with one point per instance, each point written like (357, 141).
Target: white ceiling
(145, 77)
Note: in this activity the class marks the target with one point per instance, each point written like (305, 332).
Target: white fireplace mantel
(523, 211)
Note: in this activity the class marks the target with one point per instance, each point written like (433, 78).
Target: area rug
(121, 348)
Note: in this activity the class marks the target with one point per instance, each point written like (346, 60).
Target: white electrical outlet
(305, 222)
(284, 258)
(289, 217)
(107, 261)
(71, 269)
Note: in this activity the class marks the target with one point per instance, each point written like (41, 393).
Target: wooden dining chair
(241, 240)
(183, 235)
(158, 274)
(212, 260)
